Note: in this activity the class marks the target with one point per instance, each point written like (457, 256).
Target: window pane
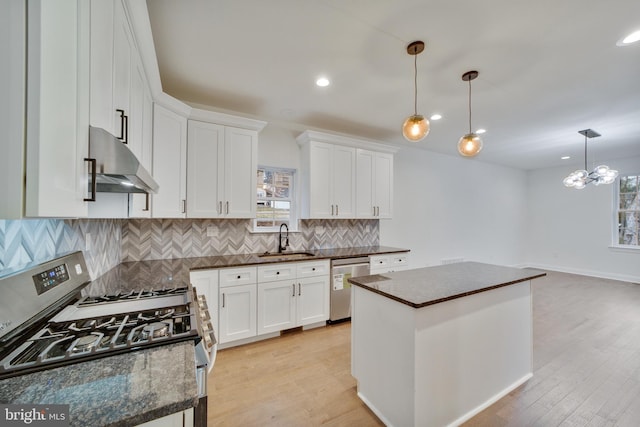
(629, 228)
(628, 201)
(629, 184)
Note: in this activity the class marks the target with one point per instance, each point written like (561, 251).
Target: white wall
(571, 230)
(449, 207)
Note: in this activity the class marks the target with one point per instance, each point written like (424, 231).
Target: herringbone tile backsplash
(113, 241)
(144, 239)
(35, 240)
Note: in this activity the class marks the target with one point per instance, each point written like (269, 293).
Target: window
(275, 199)
(628, 211)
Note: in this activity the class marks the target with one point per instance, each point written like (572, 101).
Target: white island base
(440, 364)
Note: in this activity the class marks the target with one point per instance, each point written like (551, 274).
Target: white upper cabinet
(169, 163)
(221, 169)
(344, 177)
(57, 108)
(329, 170)
(13, 39)
(374, 184)
(120, 99)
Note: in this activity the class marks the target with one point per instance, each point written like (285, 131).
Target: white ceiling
(548, 68)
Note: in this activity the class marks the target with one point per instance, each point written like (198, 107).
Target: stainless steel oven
(46, 323)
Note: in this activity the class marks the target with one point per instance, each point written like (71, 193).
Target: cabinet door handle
(122, 119)
(92, 162)
(184, 205)
(227, 209)
(146, 203)
(223, 300)
(299, 290)
(337, 212)
(126, 129)
(332, 210)
(294, 290)
(220, 207)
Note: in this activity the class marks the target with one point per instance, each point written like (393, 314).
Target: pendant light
(600, 175)
(470, 144)
(416, 127)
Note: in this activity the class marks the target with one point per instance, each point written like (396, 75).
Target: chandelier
(600, 175)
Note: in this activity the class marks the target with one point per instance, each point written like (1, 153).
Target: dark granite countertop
(168, 273)
(431, 285)
(121, 390)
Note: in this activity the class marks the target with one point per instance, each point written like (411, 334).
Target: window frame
(615, 225)
(293, 211)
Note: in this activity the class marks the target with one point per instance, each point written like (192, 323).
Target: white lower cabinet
(291, 296)
(206, 283)
(388, 263)
(276, 306)
(313, 300)
(179, 419)
(237, 304)
(247, 302)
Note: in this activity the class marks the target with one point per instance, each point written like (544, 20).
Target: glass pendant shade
(600, 175)
(415, 128)
(470, 145)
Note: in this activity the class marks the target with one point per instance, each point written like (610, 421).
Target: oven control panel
(50, 278)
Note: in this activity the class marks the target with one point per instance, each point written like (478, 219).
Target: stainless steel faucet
(282, 247)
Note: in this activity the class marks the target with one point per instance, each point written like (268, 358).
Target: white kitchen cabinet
(388, 263)
(313, 300)
(329, 180)
(169, 163)
(277, 306)
(178, 419)
(57, 108)
(292, 294)
(13, 21)
(237, 312)
(221, 171)
(345, 177)
(237, 303)
(120, 99)
(206, 283)
(374, 184)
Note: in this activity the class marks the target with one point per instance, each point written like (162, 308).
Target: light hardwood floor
(586, 368)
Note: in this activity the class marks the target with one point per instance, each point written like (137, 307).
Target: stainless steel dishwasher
(341, 270)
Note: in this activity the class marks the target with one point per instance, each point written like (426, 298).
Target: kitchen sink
(287, 255)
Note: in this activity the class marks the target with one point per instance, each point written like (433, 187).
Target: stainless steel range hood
(117, 170)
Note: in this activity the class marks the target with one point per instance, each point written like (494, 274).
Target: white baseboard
(591, 273)
(475, 411)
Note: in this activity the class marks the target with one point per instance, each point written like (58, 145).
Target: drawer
(388, 263)
(379, 261)
(313, 268)
(399, 260)
(273, 272)
(237, 276)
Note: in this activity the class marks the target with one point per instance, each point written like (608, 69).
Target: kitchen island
(434, 346)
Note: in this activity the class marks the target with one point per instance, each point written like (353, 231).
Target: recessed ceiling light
(481, 131)
(436, 117)
(631, 38)
(565, 157)
(322, 82)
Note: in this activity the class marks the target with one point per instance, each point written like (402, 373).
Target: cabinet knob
(313, 269)
(238, 277)
(277, 272)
